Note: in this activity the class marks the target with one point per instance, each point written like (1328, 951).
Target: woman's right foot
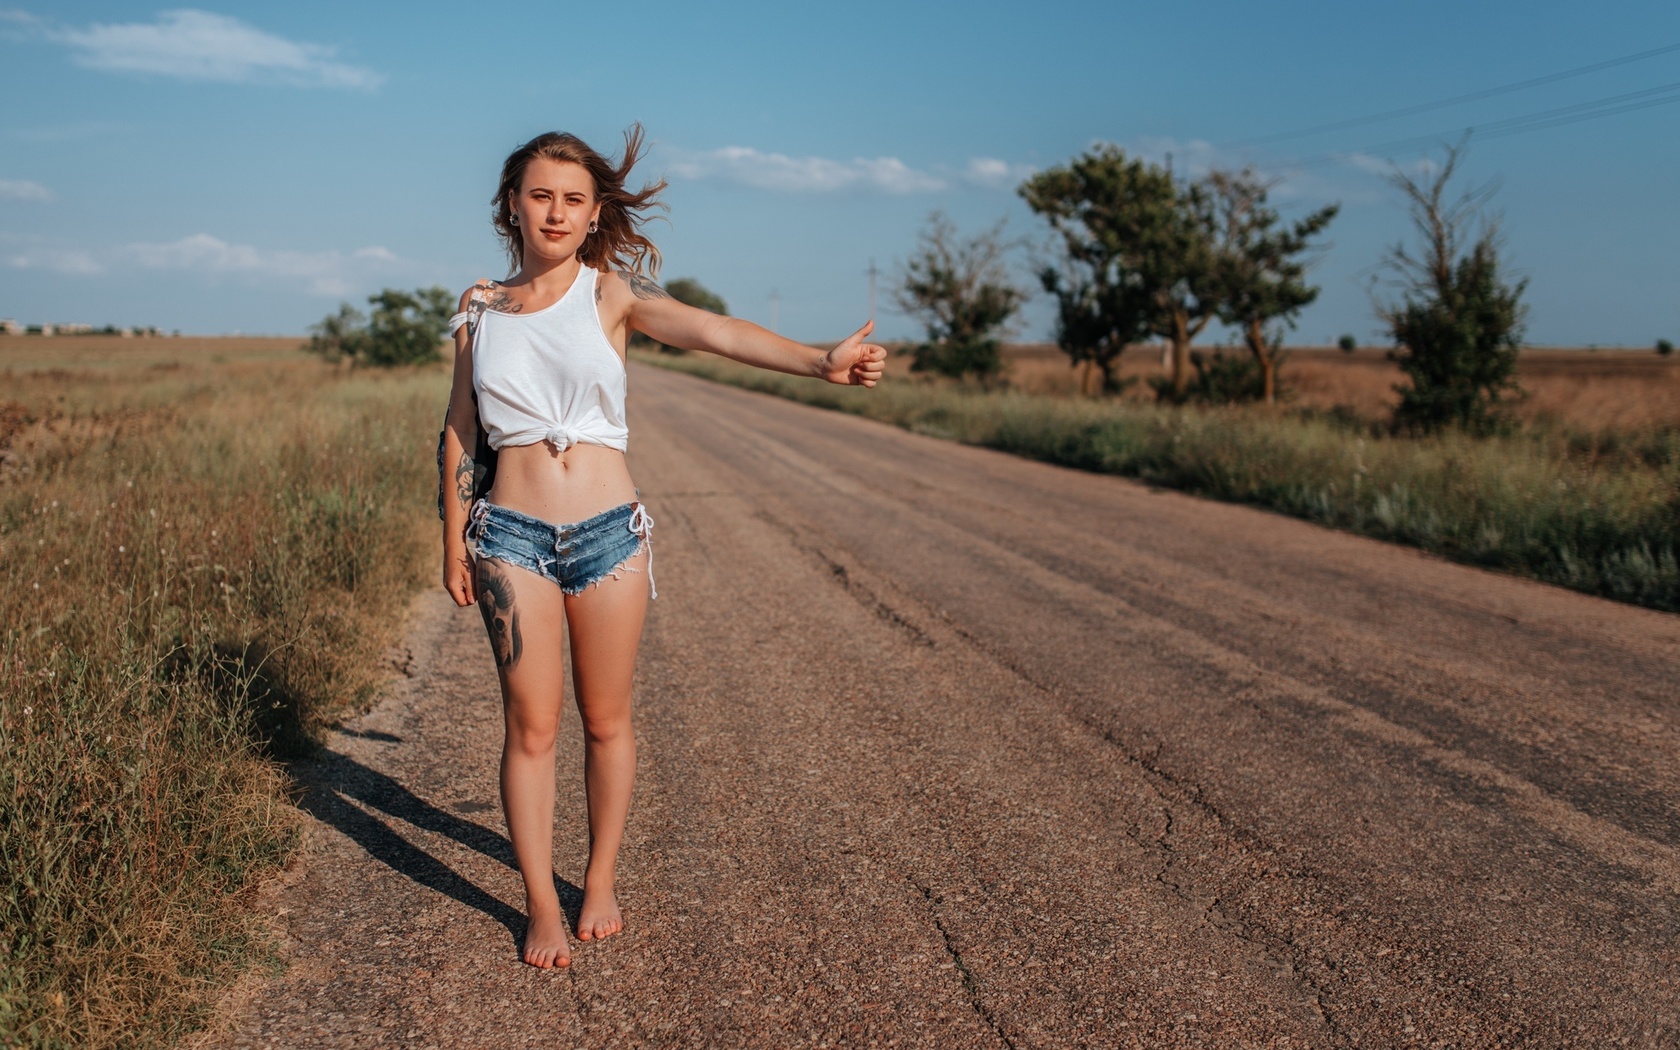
(545, 942)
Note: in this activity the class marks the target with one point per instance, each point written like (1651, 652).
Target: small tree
(1106, 210)
(691, 292)
(1182, 264)
(962, 292)
(1259, 275)
(1348, 344)
(1458, 325)
(1665, 347)
(339, 336)
(404, 328)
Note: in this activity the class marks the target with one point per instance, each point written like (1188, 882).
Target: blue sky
(243, 167)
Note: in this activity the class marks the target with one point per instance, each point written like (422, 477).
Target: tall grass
(1599, 513)
(199, 567)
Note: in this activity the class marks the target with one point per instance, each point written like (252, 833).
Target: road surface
(943, 748)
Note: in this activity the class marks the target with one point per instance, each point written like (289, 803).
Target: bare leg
(524, 615)
(606, 625)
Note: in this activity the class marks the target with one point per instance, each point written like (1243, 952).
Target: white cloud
(324, 273)
(785, 174)
(1423, 166)
(202, 45)
(994, 173)
(1193, 157)
(328, 273)
(23, 190)
(55, 260)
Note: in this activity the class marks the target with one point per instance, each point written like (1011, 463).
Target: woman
(561, 542)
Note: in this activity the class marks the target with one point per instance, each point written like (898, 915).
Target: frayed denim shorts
(573, 556)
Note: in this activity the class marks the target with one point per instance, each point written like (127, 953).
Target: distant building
(10, 327)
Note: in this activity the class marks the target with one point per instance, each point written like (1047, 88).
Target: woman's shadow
(329, 780)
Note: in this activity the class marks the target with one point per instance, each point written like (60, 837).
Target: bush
(1348, 344)
(1220, 379)
(962, 292)
(405, 328)
(1664, 347)
(1458, 324)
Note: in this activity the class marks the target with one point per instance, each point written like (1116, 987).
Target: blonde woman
(561, 542)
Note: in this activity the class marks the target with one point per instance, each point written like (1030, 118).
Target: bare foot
(600, 917)
(545, 941)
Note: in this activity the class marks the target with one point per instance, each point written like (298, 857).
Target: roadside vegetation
(1596, 512)
(205, 547)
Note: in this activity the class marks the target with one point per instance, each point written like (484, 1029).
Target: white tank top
(550, 375)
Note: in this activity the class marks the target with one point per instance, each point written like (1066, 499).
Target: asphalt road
(944, 748)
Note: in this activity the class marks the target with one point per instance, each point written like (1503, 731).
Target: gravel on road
(943, 748)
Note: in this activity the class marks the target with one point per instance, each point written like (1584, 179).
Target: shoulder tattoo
(644, 288)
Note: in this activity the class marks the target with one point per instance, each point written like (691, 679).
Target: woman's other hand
(458, 575)
(855, 362)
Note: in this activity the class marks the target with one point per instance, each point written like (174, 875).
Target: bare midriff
(561, 487)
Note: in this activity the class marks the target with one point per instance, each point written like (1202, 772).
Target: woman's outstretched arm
(649, 309)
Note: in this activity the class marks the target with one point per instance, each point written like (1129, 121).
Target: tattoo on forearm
(644, 288)
(501, 618)
(466, 473)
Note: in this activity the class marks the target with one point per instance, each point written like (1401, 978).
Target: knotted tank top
(549, 375)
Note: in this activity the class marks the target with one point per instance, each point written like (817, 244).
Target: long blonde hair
(617, 242)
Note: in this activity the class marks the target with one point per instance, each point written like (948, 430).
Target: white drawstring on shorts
(642, 525)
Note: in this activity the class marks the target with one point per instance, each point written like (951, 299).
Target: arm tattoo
(644, 288)
(501, 618)
(466, 473)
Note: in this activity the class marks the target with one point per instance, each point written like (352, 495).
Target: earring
(594, 226)
(513, 220)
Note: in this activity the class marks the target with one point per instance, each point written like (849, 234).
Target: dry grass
(203, 544)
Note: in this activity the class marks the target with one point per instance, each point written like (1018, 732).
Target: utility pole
(775, 301)
(872, 272)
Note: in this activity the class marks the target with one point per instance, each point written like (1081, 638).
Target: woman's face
(555, 205)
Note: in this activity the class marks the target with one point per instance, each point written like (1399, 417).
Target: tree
(1109, 213)
(1458, 324)
(962, 292)
(693, 293)
(404, 328)
(1181, 263)
(1259, 277)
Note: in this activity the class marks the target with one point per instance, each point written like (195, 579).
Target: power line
(1517, 125)
(1425, 107)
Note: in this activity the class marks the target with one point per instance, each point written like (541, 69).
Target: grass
(205, 547)
(1598, 511)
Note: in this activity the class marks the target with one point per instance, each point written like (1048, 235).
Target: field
(205, 545)
(1590, 391)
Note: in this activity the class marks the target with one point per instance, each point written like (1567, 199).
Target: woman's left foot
(600, 917)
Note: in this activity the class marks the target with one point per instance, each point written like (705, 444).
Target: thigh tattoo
(501, 619)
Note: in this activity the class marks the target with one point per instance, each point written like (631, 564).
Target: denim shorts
(573, 556)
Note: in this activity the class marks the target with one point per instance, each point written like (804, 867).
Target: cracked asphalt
(942, 748)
